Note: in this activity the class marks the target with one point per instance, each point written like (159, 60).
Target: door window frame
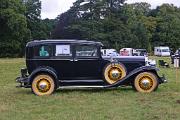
(63, 57)
(86, 57)
(43, 57)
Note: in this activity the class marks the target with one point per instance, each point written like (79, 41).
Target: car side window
(86, 51)
(63, 50)
(42, 51)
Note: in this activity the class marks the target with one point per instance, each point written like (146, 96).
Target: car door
(63, 61)
(87, 62)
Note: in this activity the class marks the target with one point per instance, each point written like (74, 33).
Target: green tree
(13, 28)
(34, 22)
(120, 25)
(168, 26)
(91, 19)
(49, 26)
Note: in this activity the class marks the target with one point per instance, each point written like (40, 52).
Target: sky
(52, 8)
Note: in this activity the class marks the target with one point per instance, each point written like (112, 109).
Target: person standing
(172, 56)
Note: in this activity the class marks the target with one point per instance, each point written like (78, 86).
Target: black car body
(78, 63)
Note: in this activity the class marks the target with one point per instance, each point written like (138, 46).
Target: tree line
(20, 22)
(113, 22)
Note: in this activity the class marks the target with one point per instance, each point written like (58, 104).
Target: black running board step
(82, 83)
(73, 87)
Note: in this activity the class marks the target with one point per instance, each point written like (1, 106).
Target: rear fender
(47, 70)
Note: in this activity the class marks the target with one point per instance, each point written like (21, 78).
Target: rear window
(42, 51)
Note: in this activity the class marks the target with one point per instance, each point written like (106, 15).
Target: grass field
(97, 104)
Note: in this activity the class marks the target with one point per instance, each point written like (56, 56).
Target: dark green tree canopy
(113, 22)
(118, 24)
(13, 26)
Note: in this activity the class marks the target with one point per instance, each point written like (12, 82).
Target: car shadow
(93, 90)
(24, 91)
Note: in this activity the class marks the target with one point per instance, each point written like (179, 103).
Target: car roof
(61, 41)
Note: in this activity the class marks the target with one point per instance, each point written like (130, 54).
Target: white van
(161, 51)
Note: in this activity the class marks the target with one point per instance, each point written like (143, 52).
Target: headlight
(150, 62)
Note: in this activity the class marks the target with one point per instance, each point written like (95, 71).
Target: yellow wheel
(43, 84)
(114, 72)
(146, 82)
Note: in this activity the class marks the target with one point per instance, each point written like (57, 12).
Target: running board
(82, 83)
(70, 87)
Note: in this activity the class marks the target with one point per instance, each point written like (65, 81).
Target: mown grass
(96, 104)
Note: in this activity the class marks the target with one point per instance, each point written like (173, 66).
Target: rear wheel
(43, 84)
(114, 72)
(146, 82)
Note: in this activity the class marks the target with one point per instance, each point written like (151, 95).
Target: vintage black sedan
(53, 64)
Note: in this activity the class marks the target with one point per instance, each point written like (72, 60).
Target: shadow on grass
(94, 90)
(24, 91)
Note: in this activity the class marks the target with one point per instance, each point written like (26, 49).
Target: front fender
(132, 73)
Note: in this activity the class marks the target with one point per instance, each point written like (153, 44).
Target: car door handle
(71, 60)
(75, 60)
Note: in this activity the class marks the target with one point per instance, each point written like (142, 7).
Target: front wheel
(43, 84)
(146, 82)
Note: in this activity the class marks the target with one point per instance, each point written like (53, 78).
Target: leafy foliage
(13, 30)
(118, 24)
(113, 22)
(20, 22)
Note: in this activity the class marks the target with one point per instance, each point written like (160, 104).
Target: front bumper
(23, 80)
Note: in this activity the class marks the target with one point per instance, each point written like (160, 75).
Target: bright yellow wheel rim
(146, 82)
(114, 73)
(43, 85)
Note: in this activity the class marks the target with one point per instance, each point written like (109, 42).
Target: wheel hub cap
(115, 74)
(43, 85)
(146, 83)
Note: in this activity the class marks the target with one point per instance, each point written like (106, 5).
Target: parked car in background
(109, 52)
(139, 52)
(126, 52)
(161, 51)
(53, 64)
